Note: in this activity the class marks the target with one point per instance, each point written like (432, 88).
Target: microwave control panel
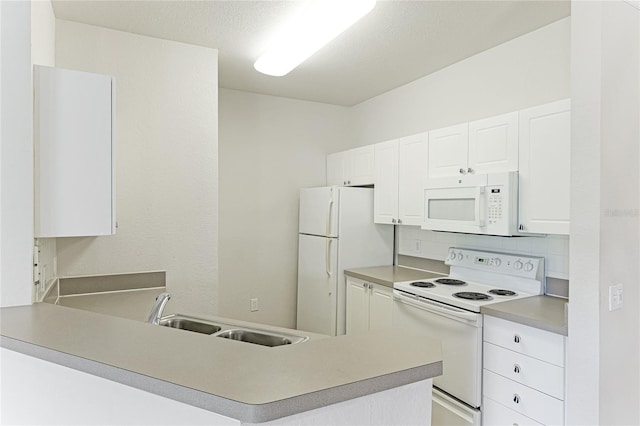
(495, 204)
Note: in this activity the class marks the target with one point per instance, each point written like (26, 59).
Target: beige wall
(166, 162)
(270, 147)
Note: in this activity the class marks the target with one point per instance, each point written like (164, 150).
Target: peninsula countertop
(248, 382)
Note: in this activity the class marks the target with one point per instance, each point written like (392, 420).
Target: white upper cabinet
(493, 144)
(412, 173)
(544, 181)
(483, 146)
(385, 192)
(74, 144)
(448, 151)
(351, 168)
(400, 173)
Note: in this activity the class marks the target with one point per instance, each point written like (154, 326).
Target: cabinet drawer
(524, 369)
(529, 402)
(526, 340)
(494, 414)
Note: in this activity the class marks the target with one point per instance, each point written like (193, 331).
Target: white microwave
(473, 204)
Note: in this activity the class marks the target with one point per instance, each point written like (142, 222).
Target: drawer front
(532, 372)
(526, 401)
(494, 414)
(526, 340)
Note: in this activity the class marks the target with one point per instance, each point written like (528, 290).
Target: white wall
(16, 154)
(527, 71)
(166, 162)
(270, 147)
(603, 352)
(43, 36)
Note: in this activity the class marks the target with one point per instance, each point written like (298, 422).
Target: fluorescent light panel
(320, 23)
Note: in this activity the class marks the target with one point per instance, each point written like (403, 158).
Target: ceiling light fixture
(316, 26)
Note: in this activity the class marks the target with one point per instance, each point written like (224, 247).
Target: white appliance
(448, 309)
(474, 204)
(336, 232)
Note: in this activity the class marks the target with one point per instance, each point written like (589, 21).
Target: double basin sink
(229, 331)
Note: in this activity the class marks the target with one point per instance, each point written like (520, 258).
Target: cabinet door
(448, 150)
(361, 166)
(493, 144)
(357, 306)
(544, 181)
(412, 173)
(73, 153)
(385, 195)
(380, 308)
(337, 169)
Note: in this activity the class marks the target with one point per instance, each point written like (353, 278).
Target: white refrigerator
(336, 232)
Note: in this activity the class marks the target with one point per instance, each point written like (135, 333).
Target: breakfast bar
(236, 382)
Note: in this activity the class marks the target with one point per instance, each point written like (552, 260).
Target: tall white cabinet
(74, 153)
(400, 174)
(544, 178)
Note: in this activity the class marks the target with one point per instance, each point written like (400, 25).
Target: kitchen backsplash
(413, 241)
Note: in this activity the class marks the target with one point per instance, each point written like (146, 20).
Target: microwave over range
(473, 204)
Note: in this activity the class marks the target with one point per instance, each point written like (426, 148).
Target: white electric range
(448, 309)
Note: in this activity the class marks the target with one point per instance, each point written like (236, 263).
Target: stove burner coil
(422, 284)
(502, 292)
(470, 295)
(450, 281)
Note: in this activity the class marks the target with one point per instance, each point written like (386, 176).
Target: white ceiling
(398, 42)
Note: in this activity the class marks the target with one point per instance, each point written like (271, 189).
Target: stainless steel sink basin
(259, 338)
(190, 325)
(231, 331)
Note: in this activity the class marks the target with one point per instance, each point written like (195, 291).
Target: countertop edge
(246, 412)
(528, 320)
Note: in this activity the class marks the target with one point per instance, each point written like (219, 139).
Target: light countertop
(244, 381)
(544, 312)
(387, 275)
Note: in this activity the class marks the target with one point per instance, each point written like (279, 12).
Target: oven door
(455, 209)
(460, 332)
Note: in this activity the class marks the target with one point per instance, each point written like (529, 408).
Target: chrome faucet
(156, 311)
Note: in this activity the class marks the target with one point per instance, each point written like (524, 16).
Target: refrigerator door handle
(328, 257)
(329, 208)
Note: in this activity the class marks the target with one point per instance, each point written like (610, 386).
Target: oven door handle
(439, 309)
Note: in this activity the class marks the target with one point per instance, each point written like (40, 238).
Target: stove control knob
(460, 256)
(517, 264)
(496, 261)
(528, 266)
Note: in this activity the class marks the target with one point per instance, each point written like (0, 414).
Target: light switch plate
(616, 297)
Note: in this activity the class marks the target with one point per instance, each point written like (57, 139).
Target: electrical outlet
(615, 297)
(254, 304)
(418, 246)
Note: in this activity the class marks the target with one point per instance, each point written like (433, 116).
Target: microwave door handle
(478, 206)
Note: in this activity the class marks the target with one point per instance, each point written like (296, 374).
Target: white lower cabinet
(523, 375)
(369, 306)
